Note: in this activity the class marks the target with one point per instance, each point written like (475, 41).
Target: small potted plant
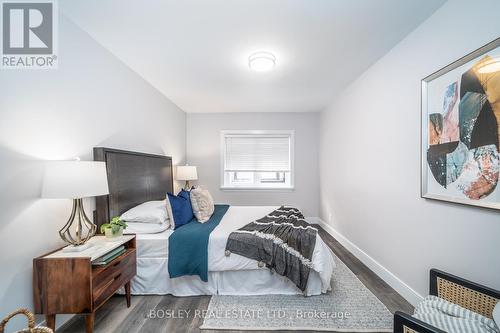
(114, 228)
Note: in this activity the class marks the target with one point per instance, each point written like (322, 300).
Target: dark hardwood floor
(115, 317)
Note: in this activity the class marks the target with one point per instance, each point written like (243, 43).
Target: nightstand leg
(127, 293)
(51, 321)
(89, 323)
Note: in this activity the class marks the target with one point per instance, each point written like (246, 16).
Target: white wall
(91, 100)
(203, 150)
(370, 160)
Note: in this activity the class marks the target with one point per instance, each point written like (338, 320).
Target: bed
(135, 178)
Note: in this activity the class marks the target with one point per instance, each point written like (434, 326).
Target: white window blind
(257, 153)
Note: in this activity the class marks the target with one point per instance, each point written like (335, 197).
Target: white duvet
(239, 216)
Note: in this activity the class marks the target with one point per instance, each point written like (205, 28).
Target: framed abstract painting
(461, 130)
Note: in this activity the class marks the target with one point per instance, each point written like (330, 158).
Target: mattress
(153, 279)
(225, 272)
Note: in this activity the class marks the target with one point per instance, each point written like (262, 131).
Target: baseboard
(59, 326)
(313, 220)
(396, 283)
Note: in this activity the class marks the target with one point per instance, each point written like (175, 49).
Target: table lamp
(75, 180)
(187, 173)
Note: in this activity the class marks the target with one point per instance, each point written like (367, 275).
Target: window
(257, 159)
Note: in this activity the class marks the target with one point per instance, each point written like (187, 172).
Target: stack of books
(108, 257)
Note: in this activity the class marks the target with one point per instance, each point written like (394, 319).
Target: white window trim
(291, 133)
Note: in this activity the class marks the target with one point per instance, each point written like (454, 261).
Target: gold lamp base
(78, 230)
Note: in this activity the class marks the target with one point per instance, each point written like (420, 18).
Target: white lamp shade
(186, 172)
(74, 179)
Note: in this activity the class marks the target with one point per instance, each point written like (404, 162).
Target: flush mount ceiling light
(490, 66)
(261, 61)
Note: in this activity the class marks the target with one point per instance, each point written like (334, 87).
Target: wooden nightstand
(67, 282)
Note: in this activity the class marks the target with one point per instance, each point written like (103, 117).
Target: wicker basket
(31, 323)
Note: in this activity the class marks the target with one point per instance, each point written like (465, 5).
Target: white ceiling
(195, 51)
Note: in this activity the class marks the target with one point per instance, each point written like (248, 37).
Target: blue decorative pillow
(181, 208)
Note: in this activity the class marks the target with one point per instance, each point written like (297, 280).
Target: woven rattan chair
(467, 294)
(31, 323)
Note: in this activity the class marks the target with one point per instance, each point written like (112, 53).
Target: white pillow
(202, 203)
(145, 228)
(170, 215)
(148, 212)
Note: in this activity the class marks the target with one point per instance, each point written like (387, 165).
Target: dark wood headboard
(133, 178)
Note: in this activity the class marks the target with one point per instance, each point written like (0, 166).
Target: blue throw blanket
(188, 246)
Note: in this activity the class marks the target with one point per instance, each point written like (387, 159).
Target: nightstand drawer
(102, 275)
(111, 285)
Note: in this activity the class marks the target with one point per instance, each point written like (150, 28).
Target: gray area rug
(349, 307)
